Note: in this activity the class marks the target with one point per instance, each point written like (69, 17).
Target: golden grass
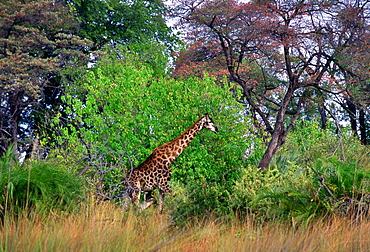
(105, 227)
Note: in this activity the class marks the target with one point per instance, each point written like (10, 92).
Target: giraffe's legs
(132, 198)
(147, 194)
(164, 188)
(160, 203)
(147, 204)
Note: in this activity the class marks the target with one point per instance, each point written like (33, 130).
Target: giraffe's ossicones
(155, 172)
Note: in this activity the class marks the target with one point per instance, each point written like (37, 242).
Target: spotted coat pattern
(155, 172)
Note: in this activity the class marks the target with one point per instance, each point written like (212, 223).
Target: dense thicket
(126, 113)
(43, 44)
(112, 130)
(277, 71)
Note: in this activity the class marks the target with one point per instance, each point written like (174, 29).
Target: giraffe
(155, 172)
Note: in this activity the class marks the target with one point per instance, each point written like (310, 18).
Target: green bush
(203, 198)
(341, 159)
(37, 187)
(126, 112)
(274, 194)
(291, 188)
(122, 110)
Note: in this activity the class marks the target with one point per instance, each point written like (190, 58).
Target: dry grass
(106, 228)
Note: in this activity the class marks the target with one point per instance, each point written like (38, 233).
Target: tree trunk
(322, 116)
(362, 120)
(275, 143)
(35, 154)
(279, 134)
(15, 105)
(14, 133)
(352, 116)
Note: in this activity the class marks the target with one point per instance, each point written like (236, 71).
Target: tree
(352, 49)
(278, 52)
(115, 22)
(41, 40)
(128, 111)
(198, 59)
(37, 41)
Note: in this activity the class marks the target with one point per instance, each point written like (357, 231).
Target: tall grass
(106, 227)
(37, 187)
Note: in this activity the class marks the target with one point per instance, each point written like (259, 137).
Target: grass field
(105, 227)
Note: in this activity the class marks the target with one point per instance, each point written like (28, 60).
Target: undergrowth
(315, 174)
(37, 187)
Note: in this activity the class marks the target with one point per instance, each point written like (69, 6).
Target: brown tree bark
(280, 131)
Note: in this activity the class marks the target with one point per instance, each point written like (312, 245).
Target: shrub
(126, 113)
(202, 198)
(274, 194)
(37, 187)
(316, 173)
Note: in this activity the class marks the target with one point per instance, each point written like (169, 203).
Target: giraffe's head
(209, 124)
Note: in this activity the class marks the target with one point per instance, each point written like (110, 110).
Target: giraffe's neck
(177, 146)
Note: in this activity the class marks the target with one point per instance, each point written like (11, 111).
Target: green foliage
(123, 22)
(274, 194)
(37, 186)
(203, 197)
(345, 179)
(291, 190)
(151, 54)
(38, 45)
(128, 110)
